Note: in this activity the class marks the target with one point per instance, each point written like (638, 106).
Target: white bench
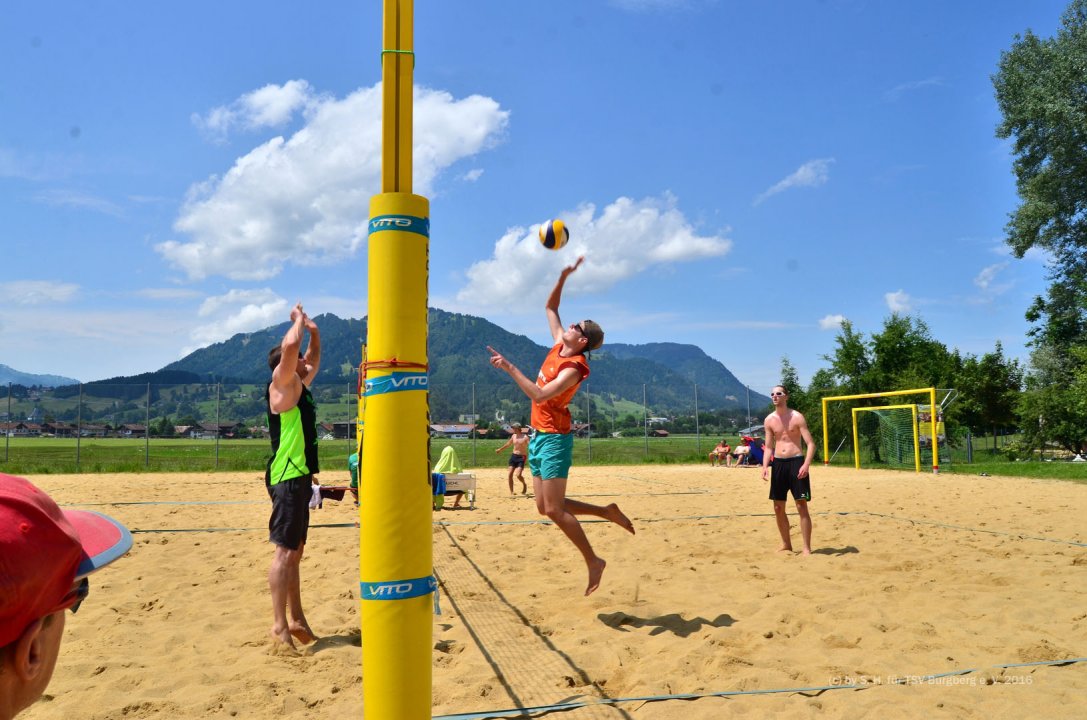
(462, 482)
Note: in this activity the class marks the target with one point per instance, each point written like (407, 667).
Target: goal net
(892, 435)
(897, 436)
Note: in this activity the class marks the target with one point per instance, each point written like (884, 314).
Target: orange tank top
(553, 416)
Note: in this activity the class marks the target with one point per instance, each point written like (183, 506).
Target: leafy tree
(1052, 410)
(989, 389)
(904, 356)
(163, 428)
(851, 362)
(1042, 95)
(1041, 92)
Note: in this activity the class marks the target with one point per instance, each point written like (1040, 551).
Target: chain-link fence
(101, 427)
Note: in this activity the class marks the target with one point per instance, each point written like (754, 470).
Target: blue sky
(739, 175)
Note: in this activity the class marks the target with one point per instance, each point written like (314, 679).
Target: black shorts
(517, 461)
(783, 480)
(289, 523)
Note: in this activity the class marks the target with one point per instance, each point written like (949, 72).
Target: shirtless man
(784, 430)
(721, 455)
(519, 441)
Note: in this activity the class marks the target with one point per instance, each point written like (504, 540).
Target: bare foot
(616, 516)
(282, 644)
(301, 632)
(785, 549)
(806, 551)
(596, 570)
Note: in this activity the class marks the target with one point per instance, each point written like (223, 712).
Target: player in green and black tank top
(292, 423)
(294, 440)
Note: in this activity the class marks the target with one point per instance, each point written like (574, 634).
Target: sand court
(949, 596)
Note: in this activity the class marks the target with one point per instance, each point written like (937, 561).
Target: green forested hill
(459, 367)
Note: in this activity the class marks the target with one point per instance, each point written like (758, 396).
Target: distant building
(452, 430)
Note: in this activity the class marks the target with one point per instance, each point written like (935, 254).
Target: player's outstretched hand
(571, 268)
(497, 360)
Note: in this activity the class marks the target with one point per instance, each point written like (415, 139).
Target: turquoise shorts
(550, 455)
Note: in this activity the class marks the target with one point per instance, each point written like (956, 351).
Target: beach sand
(912, 576)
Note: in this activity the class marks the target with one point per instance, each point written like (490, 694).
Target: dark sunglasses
(577, 326)
(75, 596)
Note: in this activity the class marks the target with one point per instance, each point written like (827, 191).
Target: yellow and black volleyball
(553, 234)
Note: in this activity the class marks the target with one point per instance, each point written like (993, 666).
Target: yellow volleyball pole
(856, 443)
(935, 440)
(395, 556)
(826, 438)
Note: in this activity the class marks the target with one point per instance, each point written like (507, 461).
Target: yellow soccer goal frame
(931, 392)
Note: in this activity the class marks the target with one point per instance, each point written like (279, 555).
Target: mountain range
(663, 375)
(15, 377)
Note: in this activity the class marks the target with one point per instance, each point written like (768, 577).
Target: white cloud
(305, 199)
(811, 174)
(79, 201)
(1035, 253)
(624, 239)
(167, 293)
(237, 311)
(93, 344)
(899, 90)
(473, 175)
(831, 322)
(898, 301)
(36, 292)
(985, 278)
(269, 106)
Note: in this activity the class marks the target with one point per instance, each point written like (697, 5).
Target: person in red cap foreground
(46, 555)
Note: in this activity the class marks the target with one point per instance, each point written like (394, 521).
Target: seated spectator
(742, 454)
(721, 455)
(46, 555)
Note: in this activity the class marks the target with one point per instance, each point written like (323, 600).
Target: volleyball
(553, 234)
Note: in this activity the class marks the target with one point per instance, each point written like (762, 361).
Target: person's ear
(29, 656)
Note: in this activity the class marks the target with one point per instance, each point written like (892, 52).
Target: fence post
(475, 427)
(589, 421)
(697, 433)
(78, 425)
(351, 417)
(11, 426)
(645, 422)
(218, 387)
(147, 428)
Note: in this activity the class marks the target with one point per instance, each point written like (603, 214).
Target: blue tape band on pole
(398, 589)
(401, 223)
(396, 382)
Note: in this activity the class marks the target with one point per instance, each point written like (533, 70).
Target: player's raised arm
(552, 307)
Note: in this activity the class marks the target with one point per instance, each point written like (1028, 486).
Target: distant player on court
(551, 450)
(784, 430)
(519, 441)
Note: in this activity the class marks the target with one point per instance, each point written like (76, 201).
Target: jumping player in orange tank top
(551, 450)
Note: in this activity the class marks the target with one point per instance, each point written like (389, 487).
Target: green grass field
(58, 455)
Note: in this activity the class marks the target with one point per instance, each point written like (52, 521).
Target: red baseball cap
(44, 550)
